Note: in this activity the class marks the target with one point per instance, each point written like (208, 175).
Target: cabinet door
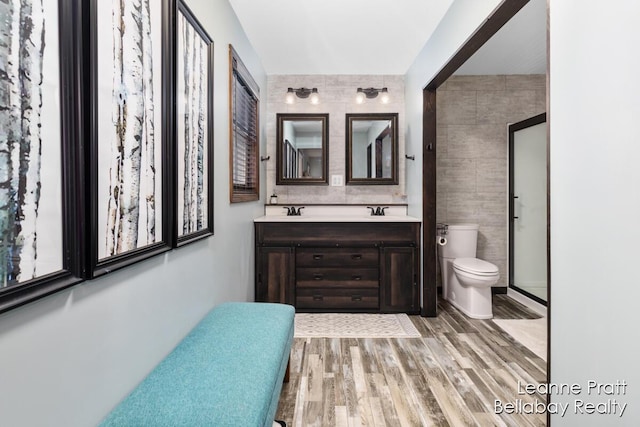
(398, 280)
(274, 275)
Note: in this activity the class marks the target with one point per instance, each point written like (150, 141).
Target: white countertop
(336, 218)
(335, 213)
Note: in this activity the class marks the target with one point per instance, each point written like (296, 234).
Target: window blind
(244, 132)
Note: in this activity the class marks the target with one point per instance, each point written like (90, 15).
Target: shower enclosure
(528, 208)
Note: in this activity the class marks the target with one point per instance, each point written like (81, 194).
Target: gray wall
(337, 97)
(472, 153)
(66, 360)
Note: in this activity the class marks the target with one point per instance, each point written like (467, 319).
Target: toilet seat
(475, 266)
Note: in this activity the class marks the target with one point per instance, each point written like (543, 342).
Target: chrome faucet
(291, 210)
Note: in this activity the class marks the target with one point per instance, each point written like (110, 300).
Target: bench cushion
(227, 371)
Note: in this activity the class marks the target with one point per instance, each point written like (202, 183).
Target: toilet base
(481, 316)
(475, 303)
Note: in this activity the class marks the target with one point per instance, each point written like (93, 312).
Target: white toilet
(466, 280)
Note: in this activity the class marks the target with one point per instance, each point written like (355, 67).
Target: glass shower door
(528, 208)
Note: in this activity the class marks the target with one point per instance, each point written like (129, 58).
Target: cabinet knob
(356, 277)
(356, 256)
(317, 256)
(356, 297)
(317, 297)
(318, 276)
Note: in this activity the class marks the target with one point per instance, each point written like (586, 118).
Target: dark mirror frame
(280, 167)
(393, 118)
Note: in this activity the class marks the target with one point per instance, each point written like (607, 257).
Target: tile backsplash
(337, 98)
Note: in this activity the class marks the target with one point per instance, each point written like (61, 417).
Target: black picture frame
(158, 21)
(194, 177)
(71, 190)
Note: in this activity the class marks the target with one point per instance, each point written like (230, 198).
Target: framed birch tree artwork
(131, 100)
(38, 226)
(194, 123)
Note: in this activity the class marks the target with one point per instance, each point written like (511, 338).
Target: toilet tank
(462, 240)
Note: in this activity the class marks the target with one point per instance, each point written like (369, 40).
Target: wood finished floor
(449, 377)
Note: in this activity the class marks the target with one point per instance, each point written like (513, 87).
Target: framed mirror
(372, 149)
(302, 149)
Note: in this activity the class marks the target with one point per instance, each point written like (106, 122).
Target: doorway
(528, 208)
(501, 15)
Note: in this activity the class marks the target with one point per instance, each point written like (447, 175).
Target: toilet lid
(475, 266)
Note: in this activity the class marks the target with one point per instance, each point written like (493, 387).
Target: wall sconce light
(303, 93)
(370, 93)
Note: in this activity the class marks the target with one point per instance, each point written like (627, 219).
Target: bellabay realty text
(591, 398)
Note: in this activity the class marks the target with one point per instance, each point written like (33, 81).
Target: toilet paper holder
(441, 229)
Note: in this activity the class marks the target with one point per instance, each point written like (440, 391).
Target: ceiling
(520, 47)
(338, 36)
(378, 36)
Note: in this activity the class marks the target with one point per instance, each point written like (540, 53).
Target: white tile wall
(337, 98)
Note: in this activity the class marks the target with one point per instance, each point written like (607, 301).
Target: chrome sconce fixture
(370, 93)
(303, 93)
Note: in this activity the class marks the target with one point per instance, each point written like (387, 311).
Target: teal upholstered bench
(228, 371)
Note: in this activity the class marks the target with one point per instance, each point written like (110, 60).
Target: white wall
(595, 202)
(66, 360)
(460, 21)
(359, 143)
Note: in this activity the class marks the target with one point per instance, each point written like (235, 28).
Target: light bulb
(384, 96)
(360, 97)
(290, 98)
(314, 98)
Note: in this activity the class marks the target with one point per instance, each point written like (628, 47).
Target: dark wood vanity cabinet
(399, 279)
(335, 278)
(330, 266)
(275, 274)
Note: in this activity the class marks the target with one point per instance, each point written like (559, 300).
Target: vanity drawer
(327, 277)
(339, 298)
(337, 257)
